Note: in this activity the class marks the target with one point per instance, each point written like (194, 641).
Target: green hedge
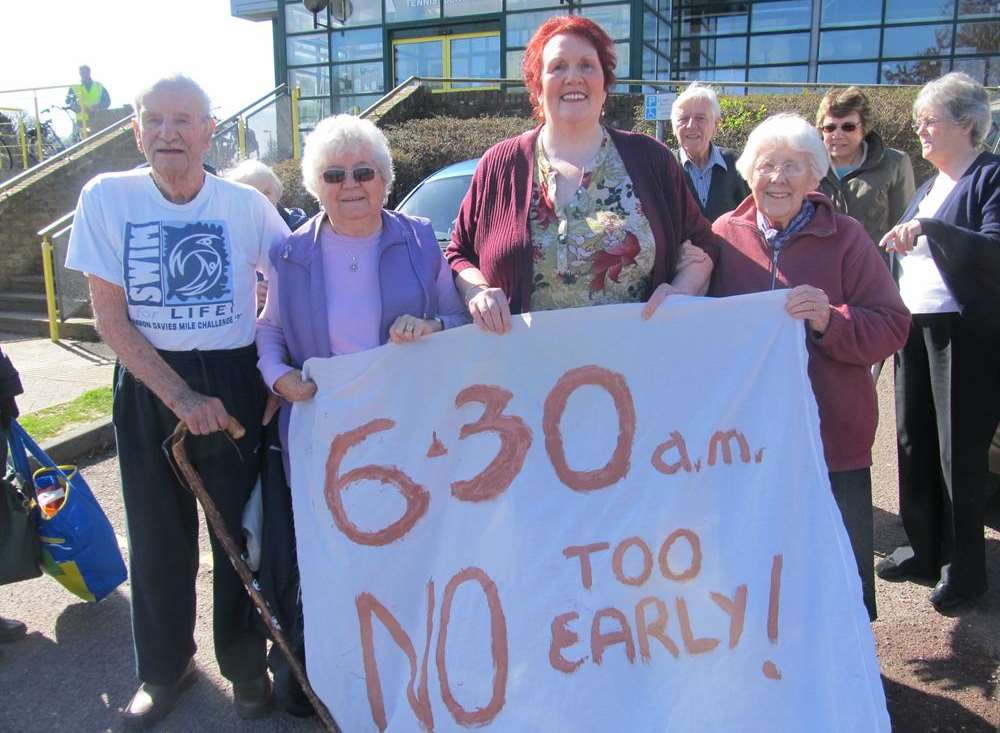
(740, 114)
(295, 194)
(419, 147)
(422, 146)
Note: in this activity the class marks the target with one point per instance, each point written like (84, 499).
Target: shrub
(740, 114)
(422, 146)
(289, 172)
(419, 147)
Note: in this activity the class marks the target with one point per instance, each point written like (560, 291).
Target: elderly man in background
(171, 253)
(710, 170)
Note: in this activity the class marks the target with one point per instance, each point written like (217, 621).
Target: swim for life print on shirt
(188, 270)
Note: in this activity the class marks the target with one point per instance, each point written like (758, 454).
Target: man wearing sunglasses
(867, 180)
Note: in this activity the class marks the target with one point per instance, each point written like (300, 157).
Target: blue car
(439, 196)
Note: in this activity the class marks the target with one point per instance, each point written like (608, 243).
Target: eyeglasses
(790, 168)
(361, 174)
(845, 126)
(685, 120)
(926, 122)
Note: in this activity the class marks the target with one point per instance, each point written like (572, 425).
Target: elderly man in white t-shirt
(170, 253)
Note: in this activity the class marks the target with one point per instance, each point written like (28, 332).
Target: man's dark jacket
(728, 189)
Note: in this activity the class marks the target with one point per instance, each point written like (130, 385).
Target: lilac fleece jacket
(350, 275)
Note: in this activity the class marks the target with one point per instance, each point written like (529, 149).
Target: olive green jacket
(878, 192)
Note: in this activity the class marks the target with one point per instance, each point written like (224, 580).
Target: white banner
(593, 523)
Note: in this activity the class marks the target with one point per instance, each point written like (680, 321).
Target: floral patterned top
(598, 248)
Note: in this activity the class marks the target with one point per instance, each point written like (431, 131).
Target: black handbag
(20, 551)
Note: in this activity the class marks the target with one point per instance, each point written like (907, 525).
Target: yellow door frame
(446, 53)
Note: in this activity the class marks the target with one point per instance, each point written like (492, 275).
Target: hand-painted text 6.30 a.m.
(516, 437)
(668, 458)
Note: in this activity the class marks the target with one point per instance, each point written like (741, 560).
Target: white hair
(697, 90)
(175, 81)
(785, 130)
(336, 134)
(961, 98)
(256, 174)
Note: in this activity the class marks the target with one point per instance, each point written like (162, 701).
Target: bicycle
(51, 142)
(8, 142)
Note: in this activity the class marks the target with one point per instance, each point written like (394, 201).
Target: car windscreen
(438, 201)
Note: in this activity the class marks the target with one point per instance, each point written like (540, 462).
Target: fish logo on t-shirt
(195, 265)
(171, 263)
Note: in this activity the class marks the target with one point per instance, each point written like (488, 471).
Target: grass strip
(51, 421)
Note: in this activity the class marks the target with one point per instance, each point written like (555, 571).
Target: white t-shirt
(188, 270)
(920, 283)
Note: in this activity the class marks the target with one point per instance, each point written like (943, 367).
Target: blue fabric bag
(79, 547)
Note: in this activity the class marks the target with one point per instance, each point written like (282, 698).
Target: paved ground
(74, 671)
(55, 373)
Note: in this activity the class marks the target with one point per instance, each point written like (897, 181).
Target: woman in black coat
(948, 374)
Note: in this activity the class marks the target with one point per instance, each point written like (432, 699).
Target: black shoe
(11, 630)
(888, 569)
(945, 598)
(151, 702)
(253, 699)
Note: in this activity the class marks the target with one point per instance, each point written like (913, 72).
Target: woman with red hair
(574, 213)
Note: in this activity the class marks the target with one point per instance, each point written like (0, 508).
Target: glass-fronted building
(347, 64)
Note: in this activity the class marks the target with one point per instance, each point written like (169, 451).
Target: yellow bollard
(241, 129)
(296, 135)
(50, 288)
(22, 138)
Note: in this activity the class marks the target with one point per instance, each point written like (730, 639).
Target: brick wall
(23, 212)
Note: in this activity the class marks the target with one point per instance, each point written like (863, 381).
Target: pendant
(354, 265)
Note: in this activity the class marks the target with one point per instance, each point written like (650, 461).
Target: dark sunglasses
(361, 174)
(846, 127)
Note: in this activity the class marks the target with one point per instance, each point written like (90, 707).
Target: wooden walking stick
(218, 526)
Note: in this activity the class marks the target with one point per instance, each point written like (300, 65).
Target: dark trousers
(853, 492)
(163, 522)
(947, 407)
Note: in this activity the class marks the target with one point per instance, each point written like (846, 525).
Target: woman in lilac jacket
(354, 276)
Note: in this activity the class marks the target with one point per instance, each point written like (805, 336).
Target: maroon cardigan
(868, 320)
(492, 232)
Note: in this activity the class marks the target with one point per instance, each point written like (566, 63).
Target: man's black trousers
(163, 522)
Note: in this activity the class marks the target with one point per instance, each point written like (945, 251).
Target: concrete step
(36, 282)
(37, 324)
(22, 300)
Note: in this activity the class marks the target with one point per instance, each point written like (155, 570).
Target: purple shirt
(351, 275)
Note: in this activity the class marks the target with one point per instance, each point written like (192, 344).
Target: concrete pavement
(53, 373)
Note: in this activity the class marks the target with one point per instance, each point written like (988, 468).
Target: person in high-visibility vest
(86, 97)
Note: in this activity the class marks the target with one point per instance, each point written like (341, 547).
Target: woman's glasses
(361, 174)
(789, 168)
(845, 126)
(925, 122)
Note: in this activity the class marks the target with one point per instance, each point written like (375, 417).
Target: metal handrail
(64, 219)
(390, 94)
(74, 148)
(65, 222)
(277, 91)
(37, 89)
